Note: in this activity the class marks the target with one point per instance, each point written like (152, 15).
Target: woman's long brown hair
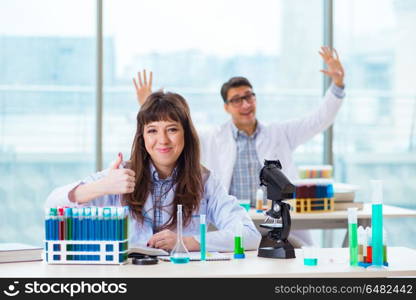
(188, 183)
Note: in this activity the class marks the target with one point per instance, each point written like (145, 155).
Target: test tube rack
(86, 252)
(313, 205)
(86, 235)
(313, 197)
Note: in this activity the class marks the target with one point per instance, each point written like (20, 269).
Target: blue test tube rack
(313, 196)
(89, 236)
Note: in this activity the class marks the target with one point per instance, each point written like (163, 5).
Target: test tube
(83, 229)
(203, 230)
(259, 200)
(369, 244)
(47, 224)
(361, 238)
(120, 217)
(55, 224)
(238, 242)
(94, 227)
(68, 226)
(384, 248)
(61, 224)
(100, 223)
(125, 222)
(79, 227)
(75, 232)
(352, 235)
(107, 219)
(113, 224)
(377, 222)
(87, 227)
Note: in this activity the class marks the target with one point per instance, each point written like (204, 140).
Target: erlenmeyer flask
(179, 254)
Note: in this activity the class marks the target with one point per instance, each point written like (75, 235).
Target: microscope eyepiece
(278, 185)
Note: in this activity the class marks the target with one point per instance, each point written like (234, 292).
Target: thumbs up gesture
(119, 181)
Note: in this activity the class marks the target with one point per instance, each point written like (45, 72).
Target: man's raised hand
(334, 66)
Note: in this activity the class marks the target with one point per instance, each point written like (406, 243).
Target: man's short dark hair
(233, 83)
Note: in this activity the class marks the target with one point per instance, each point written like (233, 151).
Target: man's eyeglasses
(238, 101)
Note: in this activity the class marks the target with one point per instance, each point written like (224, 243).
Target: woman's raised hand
(118, 181)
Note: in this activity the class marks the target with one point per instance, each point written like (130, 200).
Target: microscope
(279, 188)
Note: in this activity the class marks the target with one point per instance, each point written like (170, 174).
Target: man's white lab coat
(275, 141)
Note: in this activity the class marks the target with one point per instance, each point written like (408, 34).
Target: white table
(333, 262)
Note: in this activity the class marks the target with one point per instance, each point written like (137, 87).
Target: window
(48, 82)
(193, 47)
(375, 131)
(47, 97)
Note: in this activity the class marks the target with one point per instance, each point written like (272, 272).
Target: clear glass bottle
(179, 254)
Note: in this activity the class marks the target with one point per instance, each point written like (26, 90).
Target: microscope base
(281, 250)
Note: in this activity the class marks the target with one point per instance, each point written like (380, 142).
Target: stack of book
(14, 252)
(344, 195)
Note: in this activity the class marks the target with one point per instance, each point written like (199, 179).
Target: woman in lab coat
(164, 170)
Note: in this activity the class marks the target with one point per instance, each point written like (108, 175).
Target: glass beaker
(310, 256)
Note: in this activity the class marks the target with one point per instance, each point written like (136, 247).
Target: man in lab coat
(236, 151)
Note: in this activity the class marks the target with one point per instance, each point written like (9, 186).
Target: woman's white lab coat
(221, 210)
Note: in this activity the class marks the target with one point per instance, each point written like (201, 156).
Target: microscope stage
(271, 225)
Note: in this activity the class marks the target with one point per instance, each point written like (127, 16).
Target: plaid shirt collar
(237, 133)
(155, 174)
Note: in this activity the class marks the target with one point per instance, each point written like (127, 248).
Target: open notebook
(147, 250)
(164, 255)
